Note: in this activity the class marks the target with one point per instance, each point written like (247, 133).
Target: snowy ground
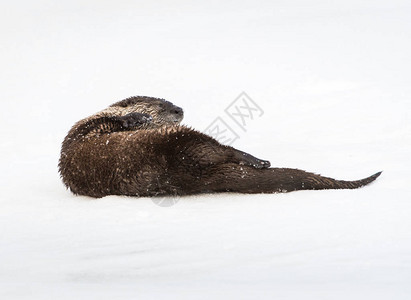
(333, 79)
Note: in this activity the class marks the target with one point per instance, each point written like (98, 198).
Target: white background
(333, 79)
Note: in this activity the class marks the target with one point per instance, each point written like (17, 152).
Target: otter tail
(245, 179)
(293, 179)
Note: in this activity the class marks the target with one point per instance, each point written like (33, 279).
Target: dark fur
(107, 154)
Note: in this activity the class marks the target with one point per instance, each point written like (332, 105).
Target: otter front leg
(134, 120)
(108, 124)
(249, 160)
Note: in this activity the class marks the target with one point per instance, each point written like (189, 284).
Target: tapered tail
(310, 181)
(244, 179)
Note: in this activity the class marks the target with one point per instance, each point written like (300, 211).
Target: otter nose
(177, 111)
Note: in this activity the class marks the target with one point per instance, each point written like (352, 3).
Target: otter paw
(261, 164)
(132, 120)
(255, 162)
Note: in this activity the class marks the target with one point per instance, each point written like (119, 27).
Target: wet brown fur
(100, 157)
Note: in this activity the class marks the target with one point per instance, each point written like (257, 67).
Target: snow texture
(333, 79)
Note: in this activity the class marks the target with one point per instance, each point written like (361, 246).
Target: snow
(333, 81)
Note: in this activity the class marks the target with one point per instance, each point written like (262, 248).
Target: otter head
(163, 112)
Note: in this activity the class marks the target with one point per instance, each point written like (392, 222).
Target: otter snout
(178, 113)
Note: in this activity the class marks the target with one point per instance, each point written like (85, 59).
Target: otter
(137, 147)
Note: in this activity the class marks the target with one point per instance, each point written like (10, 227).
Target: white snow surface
(333, 79)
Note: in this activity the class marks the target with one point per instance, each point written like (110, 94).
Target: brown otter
(136, 147)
